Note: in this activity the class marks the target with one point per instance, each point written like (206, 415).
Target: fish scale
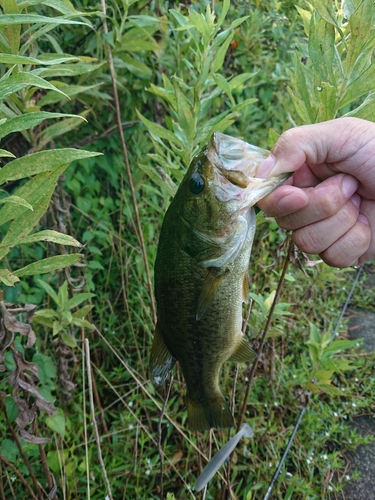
(201, 272)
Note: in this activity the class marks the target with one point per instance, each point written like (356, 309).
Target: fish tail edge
(215, 413)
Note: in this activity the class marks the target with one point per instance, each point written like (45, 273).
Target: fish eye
(197, 184)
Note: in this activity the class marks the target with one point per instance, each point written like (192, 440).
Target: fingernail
(348, 186)
(356, 199)
(266, 167)
(364, 219)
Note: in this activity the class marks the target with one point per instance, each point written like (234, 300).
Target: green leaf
(223, 13)
(314, 333)
(339, 345)
(8, 278)
(60, 128)
(185, 117)
(52, 236)
(16, 200)
(180, 18)
(221, 53)
(134, 66)
(10, 59)
(37, 192)
(322, 48)
(322, 375)
(21, 80)
(359, 87)
(78, 299)
(366, 110)
(83, 311)
(238, 22)
(49, 264)
(68, 69)
(46, 367)
(62, 295)
(224, 85)
(241, 79)
(51, 292)
(57, 422)
(69, 92)
(326, 10)
(199, 23)
(41, 162)
(11, 409)
(160, 131)
(304, 92)
(45, 313)
(9, 450)
(161, 179)
(272, 139)
(329, 389)
(28, 120)
(82, 323)
(361, 28)
(306, 17)
(9, 19)
(327, 96)
(68, 340)
(4, 153)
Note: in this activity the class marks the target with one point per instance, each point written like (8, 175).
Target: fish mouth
(237, 163)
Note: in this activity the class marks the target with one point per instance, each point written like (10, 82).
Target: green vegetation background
(170, 74)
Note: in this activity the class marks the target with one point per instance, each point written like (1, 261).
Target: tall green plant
(192, 95)
(336, 77)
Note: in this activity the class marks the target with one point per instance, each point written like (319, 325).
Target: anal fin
(161, 360)
(243, 352)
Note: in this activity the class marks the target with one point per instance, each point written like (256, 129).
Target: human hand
(329, 203)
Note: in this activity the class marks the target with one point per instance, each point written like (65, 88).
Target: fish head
(221, 182)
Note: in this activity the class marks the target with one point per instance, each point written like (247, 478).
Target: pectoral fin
(209, 289)
(243, 352)
(161, 360)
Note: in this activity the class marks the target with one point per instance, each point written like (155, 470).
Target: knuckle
(307, 240)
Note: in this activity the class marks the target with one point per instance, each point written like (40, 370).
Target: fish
(201, 274)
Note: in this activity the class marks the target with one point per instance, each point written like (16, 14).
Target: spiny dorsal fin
(161, 360)
(243, 352)
(209, 289)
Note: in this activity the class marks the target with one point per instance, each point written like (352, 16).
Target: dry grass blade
(128, 171)
(141, 385)
(20, 477)
(92, 408)
(141, 426)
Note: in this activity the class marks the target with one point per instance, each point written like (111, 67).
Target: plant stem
(95, 427)
(289, 246)
(20, 476)
(138, 226)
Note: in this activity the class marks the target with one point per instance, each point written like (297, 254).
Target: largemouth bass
(201, 274)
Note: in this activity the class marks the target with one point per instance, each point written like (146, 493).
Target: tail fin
(214, 412)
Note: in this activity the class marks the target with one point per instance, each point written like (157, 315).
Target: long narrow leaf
(21, 80)
(29, 120)
(53, 237)
(9, 19)
(48, 265)
(41, 162)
